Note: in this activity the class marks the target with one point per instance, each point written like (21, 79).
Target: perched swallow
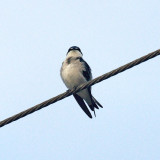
(74, 72)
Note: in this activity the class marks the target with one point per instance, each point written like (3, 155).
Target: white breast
(72, 74)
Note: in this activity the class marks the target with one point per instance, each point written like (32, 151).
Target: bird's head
(74, 51)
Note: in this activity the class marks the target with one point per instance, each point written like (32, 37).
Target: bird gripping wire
(79, 88)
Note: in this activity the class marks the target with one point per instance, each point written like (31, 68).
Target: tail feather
(82, 105)
(97, 102)
(93, 106)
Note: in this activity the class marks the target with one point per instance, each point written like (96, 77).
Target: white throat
(74, 54)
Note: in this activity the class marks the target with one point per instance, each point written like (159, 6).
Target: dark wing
(86, 69)
(82, 105)
(88, 76)
(87, 72)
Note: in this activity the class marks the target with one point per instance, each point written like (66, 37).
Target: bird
(74, 72)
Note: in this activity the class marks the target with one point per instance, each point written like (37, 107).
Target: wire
(79, 88)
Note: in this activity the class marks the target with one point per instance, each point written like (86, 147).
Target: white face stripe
(74, 53)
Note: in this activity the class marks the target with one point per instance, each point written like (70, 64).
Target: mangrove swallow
(74, 72)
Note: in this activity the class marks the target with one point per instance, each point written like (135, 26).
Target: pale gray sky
(34, 38)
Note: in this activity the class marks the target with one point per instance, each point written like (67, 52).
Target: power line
(79, 88)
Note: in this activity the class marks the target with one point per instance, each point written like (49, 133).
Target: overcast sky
(34, 38)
